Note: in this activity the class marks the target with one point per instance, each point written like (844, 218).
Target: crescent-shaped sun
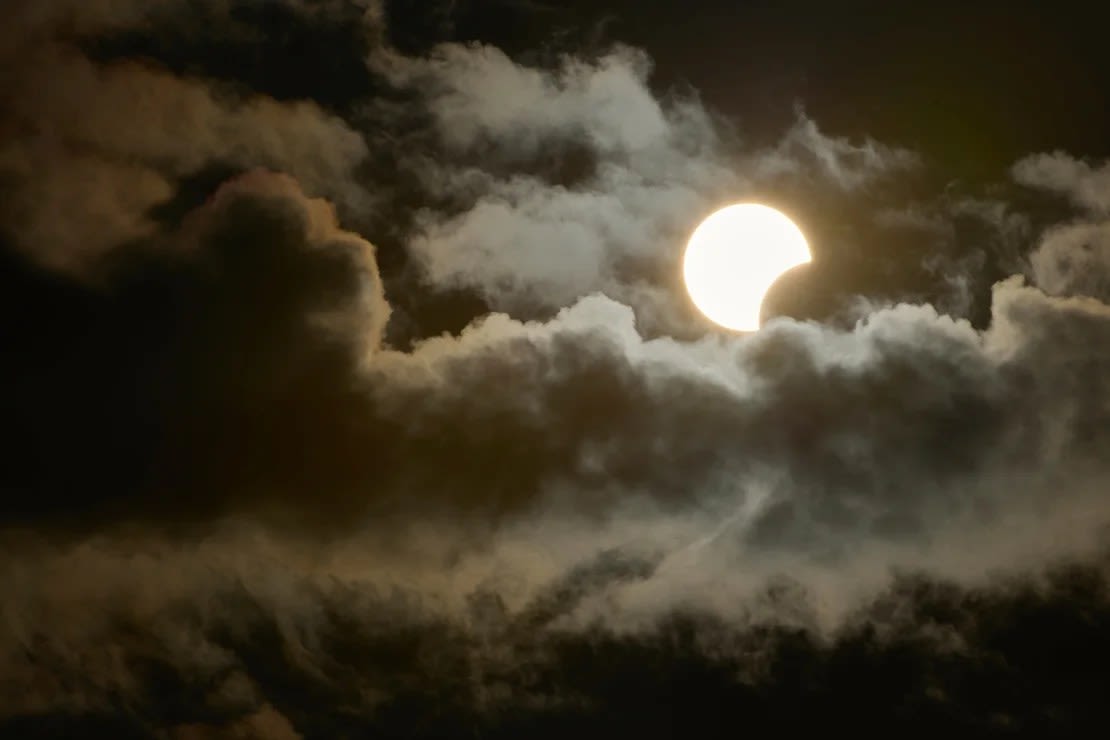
(735, 256)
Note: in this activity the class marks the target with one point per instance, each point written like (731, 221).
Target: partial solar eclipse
(735, 256)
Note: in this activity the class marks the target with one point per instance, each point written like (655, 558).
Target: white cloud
(1085, 185)
(806, 149)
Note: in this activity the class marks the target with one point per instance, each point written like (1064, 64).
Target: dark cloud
(151, 383)
(290, 50)
(124, 130)
(254, 489)
(310, 657)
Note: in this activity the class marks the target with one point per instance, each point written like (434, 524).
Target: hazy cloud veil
(257, 491)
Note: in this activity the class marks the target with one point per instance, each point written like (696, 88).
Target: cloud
(479, 97)
(526, 239)
(1084, 185)
(153, 382)
(563, 179)
(784, 422)
(805, 148)
(268, 321)
(70, 209)
(124, 131)
(1072, 258)
(212, 639)
(276, 316)
(236, 508)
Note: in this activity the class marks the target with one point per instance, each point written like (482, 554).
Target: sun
(735, 256)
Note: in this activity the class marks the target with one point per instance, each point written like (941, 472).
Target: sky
(351, 387)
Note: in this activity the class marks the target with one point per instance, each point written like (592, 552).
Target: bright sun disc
(734, 257)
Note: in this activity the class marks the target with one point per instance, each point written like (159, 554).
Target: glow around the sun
(735, 256)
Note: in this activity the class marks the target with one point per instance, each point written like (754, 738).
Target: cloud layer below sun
(335, 410)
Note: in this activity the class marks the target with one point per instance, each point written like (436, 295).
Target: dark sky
(350, 387)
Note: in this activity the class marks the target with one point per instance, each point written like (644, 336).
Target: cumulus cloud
(236, 509)
(1072, 258)
(648, 169)
(576, 177)
(124, 131)
(581, 411)
(479, 96)
(153, 382)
